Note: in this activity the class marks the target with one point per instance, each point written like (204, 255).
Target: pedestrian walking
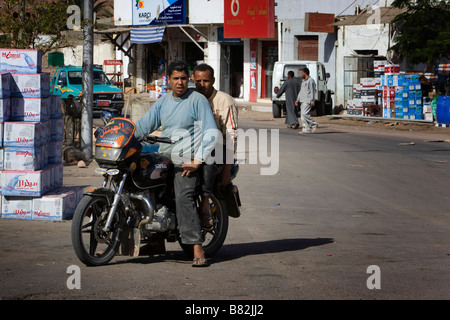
(291, 87)
(306, 99)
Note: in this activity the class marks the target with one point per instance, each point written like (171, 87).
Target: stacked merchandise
(31, 169)
(363, 95)
(402, 94)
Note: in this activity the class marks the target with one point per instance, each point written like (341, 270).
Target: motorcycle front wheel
(92, 244)
(213, 240)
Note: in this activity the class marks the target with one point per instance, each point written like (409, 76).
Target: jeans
(185, 200)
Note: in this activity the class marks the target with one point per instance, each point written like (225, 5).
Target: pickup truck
(324, 101)
(67, 81)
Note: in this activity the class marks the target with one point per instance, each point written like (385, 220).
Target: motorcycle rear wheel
(92, 245)
(213, 240)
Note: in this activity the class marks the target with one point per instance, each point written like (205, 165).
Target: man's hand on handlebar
(155, 139)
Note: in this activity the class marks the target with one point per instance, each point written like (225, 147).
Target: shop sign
(152, 12)
(319, 22)
(249, 19)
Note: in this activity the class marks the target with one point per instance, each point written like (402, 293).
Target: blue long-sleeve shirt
(188, 118)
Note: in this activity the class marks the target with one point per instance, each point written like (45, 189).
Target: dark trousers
(210, 172)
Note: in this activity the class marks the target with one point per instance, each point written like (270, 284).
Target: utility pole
(88, 79)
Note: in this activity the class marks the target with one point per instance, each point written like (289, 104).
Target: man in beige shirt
(225, 112)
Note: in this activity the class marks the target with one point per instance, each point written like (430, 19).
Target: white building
(200, 38)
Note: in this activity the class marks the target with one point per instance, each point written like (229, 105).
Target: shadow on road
(238, 250)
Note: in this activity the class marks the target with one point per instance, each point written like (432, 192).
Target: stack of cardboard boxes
(398, 95)
(31, 130)
(402, 94)
(363, 96)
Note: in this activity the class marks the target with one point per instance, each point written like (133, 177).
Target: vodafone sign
(249, 19)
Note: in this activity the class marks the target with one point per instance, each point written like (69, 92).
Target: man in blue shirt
(186, 117)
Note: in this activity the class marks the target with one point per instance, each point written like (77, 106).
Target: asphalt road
(350, 214)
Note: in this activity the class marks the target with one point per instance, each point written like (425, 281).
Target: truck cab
(323, 105)
(67, 81)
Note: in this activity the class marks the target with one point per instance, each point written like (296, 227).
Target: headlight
(110, 172)
(100, 171)
(118, 96)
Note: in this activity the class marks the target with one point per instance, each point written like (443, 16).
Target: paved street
(346, 201)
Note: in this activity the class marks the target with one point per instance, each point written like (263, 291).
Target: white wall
(205, 11)
(123, 15)
(351, 38)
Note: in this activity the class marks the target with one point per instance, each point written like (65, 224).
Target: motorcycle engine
(163, 220)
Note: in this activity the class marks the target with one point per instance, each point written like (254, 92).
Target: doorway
(269, 57)
(308, 48)
(232, 69)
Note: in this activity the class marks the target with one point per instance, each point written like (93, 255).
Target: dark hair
(205, 67)
(306, 70)
(291, 73)
(177, 66)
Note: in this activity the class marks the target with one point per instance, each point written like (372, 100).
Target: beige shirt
(225, 112)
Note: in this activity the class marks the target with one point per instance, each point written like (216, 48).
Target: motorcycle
(135, 207)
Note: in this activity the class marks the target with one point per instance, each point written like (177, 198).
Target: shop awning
(146, 35)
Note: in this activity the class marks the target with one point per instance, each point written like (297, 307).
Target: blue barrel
(443, 110)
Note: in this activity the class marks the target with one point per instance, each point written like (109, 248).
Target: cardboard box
(20, 61)
(55, 110)
(387, 113)
(30, 109)
(30, 85)
(56, 129)
(54, 152)
(428, 116)
(5, 109)
(369, 82)
(22, 134)
(45, 135)
(5, 85)
(22, 158)
(59, 204)
(26, 183)
(17, 207)
(391, 69)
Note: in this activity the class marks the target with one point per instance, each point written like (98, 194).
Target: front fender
(108, 194)
(101, 192)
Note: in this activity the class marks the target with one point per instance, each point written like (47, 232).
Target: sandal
(200, 263)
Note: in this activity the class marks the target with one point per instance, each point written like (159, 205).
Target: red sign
(112, 62)
(249, 19)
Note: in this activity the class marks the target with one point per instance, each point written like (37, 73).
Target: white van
(317, 71)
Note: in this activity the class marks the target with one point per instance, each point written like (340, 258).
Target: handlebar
(155, 139)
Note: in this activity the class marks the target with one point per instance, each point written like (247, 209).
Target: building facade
(243, 66)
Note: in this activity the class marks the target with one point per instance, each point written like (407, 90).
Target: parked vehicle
(317, 70)
(67, 81)
(136, 203)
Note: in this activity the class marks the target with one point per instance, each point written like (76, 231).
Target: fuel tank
(151, 170)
